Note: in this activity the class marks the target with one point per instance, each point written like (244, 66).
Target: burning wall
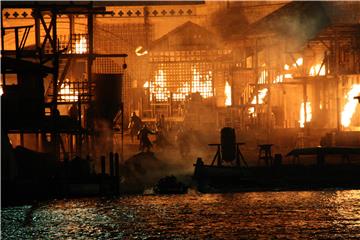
(187, 60)
(130, 27)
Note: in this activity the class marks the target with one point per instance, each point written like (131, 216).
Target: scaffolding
(56, 55)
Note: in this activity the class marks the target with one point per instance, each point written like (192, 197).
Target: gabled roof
(186, 36)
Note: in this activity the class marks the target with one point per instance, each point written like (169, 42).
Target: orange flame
(350, 106)
(227, 94)
(260, 99)
(317, 69)
(204, 87)
(302, 114)
(81, 46)
(263, 75)
(182, 92)
(280, 78)
(158, 88)
(201, 83)
(299, 62)
(68, 94)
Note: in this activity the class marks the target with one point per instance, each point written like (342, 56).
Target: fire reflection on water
(306, 215)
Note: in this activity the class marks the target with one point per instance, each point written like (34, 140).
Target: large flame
(182, 92)
(298, 62)
(350, 106)
(158, 88)
(67, 94)
(280, 78)
(317, 69)
(260, 99)
(302, 113)
(81, 46)
(201, 83)
(263, 75)
(227, 94)
(204, 87)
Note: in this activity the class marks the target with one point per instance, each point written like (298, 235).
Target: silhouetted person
(135, 125)
(73, 112)
(143, 136)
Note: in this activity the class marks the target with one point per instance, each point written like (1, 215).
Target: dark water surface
(326, 214)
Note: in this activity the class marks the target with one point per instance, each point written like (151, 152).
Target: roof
(299, 19)
(185, 36)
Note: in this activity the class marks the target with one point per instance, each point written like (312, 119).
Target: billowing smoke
(176, 153)
(298, 21)
(229, 21)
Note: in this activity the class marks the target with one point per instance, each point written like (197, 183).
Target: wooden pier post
(103, 171)
(111, 161)
(117, 175)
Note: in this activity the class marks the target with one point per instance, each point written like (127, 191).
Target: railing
(76, 44)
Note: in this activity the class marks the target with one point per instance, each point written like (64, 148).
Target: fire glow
(317, 69)
(263, 76)
(204, 87)
(280, 78)
(201, 83)
(227, 94)
(260, 99)
(302, 114)
(350, 106)
(81, 46)
(158, 89)
(68, 94)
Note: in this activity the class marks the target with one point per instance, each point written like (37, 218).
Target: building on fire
(290, 68)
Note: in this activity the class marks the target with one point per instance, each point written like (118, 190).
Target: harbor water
(327, 214)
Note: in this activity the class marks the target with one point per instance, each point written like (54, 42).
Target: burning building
(256, 66)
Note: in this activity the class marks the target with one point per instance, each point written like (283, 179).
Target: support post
(91, 50)
(117, 174)
(103, 171)
(111, 163)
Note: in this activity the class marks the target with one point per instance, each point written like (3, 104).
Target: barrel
(228, 144)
